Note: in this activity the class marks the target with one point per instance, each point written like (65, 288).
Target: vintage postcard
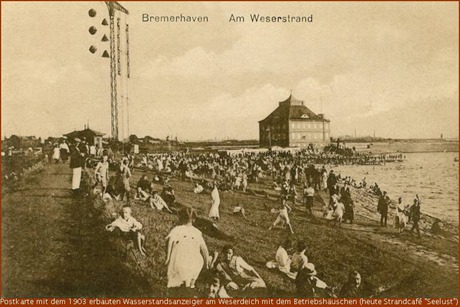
(244, 152)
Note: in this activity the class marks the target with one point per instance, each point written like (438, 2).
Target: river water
(433, 176)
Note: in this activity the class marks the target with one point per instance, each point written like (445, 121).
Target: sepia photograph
(229, 150)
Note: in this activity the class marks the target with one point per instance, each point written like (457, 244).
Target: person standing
(324, 178)
(76, 163)
(415, 214)
(215, 198)
(400, 216)
(84, 150)
(125, 175)
(102, 173)
(56, 153)
(382, 208)
(283, 216)
(64, 151)
(309, 193)
(331, 182)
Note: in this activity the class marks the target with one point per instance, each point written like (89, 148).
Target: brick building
(292, 124)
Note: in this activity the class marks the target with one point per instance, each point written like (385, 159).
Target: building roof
(292, 109)
(86, 131)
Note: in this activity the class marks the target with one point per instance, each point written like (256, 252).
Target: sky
(384, 67)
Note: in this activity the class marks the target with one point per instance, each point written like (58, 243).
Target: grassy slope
(400, 264)
(76, 257)
(52, 246)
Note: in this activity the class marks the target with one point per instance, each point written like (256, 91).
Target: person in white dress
(56, 153)
(339, 209)
(214, 212)
(400, 215)
(186, 252)
(283, 260)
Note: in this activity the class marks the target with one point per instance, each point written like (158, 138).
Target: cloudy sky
(387, 67)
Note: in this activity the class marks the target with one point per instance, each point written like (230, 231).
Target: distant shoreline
(412, 146)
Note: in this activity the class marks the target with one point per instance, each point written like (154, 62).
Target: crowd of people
(294, 176)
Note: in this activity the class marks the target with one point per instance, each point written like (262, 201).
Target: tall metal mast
(112, 7)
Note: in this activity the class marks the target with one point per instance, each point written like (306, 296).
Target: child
(283, 215)
(101, 173)
(130, 227)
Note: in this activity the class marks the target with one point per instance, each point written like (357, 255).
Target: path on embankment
(52, 246)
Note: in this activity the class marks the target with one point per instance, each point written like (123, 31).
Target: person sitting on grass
(307, 284)
(198, 188)
(283, 260)
(129, 227)
(113, 190)
(144, 184)
(299, 258)
(216, 289)
(141, 194)
(157, 202)
(236, 274)
(239, 210)
(354, 287)
(168, 195)
(283, 216)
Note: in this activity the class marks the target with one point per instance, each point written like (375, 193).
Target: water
(433, 176)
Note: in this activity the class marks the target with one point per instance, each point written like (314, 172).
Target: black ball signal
(92, 13)
(92, 30)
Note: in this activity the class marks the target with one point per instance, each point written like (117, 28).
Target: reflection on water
(433, 176)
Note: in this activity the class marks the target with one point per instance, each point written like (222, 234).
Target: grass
(99, 266)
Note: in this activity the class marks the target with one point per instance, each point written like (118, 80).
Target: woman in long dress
(324, 180)
(186, 252)
(214, 212)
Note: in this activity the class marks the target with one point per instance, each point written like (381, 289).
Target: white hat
(309, 269)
